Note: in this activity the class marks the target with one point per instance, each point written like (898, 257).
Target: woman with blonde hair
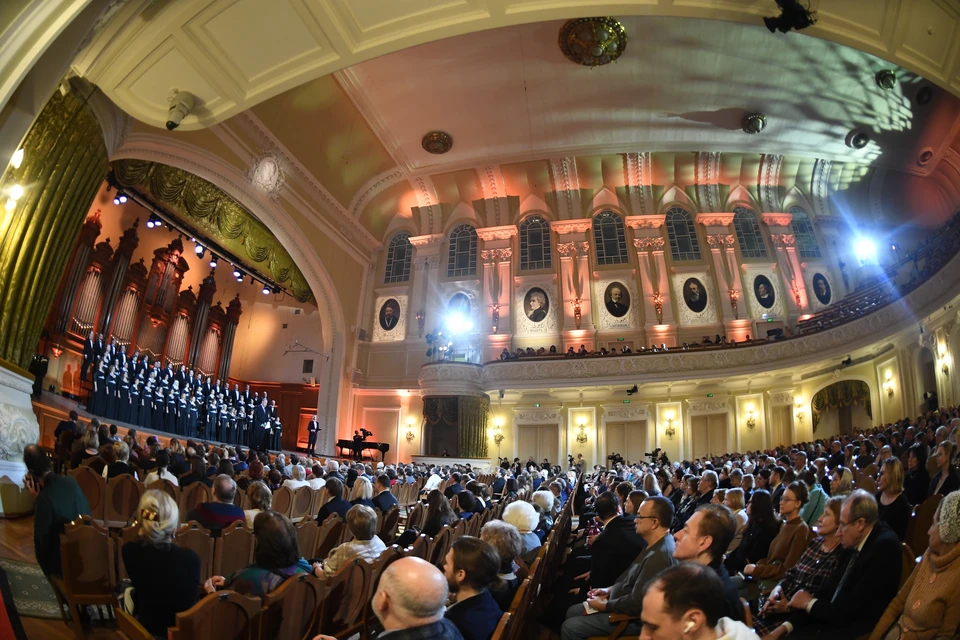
(164, 576)
(362, 493)
(891, 501)
(733, 500)
(261, 499)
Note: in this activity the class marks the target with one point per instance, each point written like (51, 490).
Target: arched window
(535, 244)
(462, 254)
(748, 233)
(399, 252)
(806, 239)
(684, 244)
(610, 238)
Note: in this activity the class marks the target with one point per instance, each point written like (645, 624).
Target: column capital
(423, 241)
(579, 249)
(645, 222)
(783, 240)
(649, 243)
(563, 227)
(724, 219)
(777, 219)
(490, 256)
(488, 234)
(720, 240)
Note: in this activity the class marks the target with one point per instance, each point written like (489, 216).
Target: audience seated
(164, 576)
(57, 501)
(816, 497)
(524, 517)
(85, 448)
(362, 492)
(298, 478)
(383, 499)
(762, 527)
(161, 470)
(892, 504)
(260, 499)
(410, 602)
(506, 540)
(703, 539)
(336, 504)
(733, 500)
(122, 464)
(216, 515)
(471, 567)
(946, 480)
(466, 504)
(916, 482)
(366, 545)
(787, 547)
(439, 513)
(927, 605)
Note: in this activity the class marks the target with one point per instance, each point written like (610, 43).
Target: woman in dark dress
(146, 406)
(182, 414)
(916, 482)
(159, 407)
(123, 399)
(224, 427)
(98, 398)
(192, 419)
(891, 502)
(111, 409)
(164, 576)
(134, 410)
(762, 527)
(946, 479)
(170, 411)
(439, 513)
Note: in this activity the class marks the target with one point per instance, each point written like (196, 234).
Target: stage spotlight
(154, 222)
(120, 198)
(865, 250)
(458, 324)
(266, 290)
(237, 273)
(213, 261)
(200, 250)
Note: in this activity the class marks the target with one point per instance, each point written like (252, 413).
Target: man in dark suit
(470, 567)
(336, 504)
(776, 486)
(261, 419)
(865, 584)
(66, 426)
(497, 487)
(384, 499)
(99, 347)
(617, 545)
(410, 600)
(88, 356)
(836, 456)
(312, 428)
(455, 488)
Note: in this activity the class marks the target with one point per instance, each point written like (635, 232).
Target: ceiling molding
(494, 194)
(428, 203)
(707, 177)
(371, 188)
(638, 180)
(768, 182)
(563, 173)
(354, 89)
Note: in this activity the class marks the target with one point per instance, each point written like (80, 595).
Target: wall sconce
(734, 298)
(670, 431)
(658, 305)
(751, 417)
(582, 429)
(410, 434)
(577, 314)
(888, 384)
(495, 311)
(799, 412)
(497, 431)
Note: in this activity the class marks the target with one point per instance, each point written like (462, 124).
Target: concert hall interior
(440, 233)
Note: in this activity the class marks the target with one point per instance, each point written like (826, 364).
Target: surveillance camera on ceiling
(181, 104)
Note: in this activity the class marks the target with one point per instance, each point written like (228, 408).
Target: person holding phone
(59, 500)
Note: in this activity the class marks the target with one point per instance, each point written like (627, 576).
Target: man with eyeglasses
(626, 595)
(866, 580)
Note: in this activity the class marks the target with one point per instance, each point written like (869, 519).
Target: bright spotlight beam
(865, 250)
(458, 324)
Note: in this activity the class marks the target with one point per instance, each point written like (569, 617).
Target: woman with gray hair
(164, 576)
(505, 538)
(524, 517)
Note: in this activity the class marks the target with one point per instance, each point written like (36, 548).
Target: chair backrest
(346, 600)
(440, 546)
(315, 502)
(191, 496)
(868, 484)
(167, 487)
(292, 610)
(919, 524)
(455, 501)
(225, 615)
(87, 556)
(473, 525)
(194, 537)
(127, 534)
(387, 557)
(747, 614)
(123, 497)
(307, 532)
(329, 536)
(302, 498)
(420, 548)
(388, 524)
(460, 528)
(416, 515)
(94, 488)
(908, 562)
(502, 627)
(283, 501)
(234, 549)
(128, 627)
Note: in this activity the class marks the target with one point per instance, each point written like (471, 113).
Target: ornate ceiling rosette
(592, 41)
(216, 215)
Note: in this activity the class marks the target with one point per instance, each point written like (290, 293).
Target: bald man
(410, 601)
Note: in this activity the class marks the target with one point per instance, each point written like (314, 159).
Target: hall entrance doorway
(540, 441)
(629, 439)
(708, 435)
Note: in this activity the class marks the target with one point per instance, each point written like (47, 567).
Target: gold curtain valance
(841, 394)
(216, 215)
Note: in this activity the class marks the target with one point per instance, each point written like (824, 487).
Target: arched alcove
(842, 407)
(926, 380)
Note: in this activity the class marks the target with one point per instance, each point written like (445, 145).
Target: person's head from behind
(467, 501)
(607, 505)
(505, 538)
(944, 531)
(383, 483)
(858, 515)
(545, 499)
(276, 538)
(471, 563)
(522, 515)
(706, 535)
(159, 517)
(411, 593)
(224, 489)
(259, 495)
(334, 488)
(37, 462)
(362, 522)
(684, 601)
(362, 489)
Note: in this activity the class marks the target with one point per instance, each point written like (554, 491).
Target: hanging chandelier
(593, 41)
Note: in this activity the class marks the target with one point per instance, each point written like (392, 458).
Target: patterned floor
(32, 594)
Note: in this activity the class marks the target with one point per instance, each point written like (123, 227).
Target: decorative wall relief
(692, 292)
(617, 308)
(390, 321)
(539, 305)
(627, 413)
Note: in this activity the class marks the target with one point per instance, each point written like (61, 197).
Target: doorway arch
(332, 378)
(926, 379)
(840, 406)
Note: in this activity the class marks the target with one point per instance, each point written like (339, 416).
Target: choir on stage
(180, 402)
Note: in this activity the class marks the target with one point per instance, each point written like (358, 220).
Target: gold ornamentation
(437, 142)
(216, 215)
(592, 41)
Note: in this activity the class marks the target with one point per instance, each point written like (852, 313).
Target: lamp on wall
(498, 433)
(658, 305)
(582, 429)
(410, 434)
(751, 417)
(888, 383)
(670, 431)
(799, 412)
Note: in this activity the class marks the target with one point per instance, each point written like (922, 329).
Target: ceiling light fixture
(237, 273)
(885, 79)
(17, 159)
(753, 123)
(213, 261)
(592, 42)
(857, 139)
(437, 142)
(266, 290)
(793, 16)
(120, 198)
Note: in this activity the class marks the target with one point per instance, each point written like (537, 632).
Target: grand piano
(357, 447)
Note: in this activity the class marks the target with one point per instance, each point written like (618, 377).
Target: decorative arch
(874, 397)
(176, 153)
(606, 199)
(534, 204)
(401, 222)
(740, 196)
(675, 196)
(462, 213)
(796, 198)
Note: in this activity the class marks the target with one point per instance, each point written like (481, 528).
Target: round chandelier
(593, 41)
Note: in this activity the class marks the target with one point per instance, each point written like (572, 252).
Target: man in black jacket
(88, 357)
(617, 545)
(454, 488)
(336, 504)
(383, 499)
(865, 583)
(261, 421)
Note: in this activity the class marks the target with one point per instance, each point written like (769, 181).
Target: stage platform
(51, 408)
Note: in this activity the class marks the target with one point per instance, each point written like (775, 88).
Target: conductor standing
(312, 430)
(261, 422)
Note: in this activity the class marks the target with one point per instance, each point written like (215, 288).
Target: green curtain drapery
(840, 394)
(440, 410)
(474, 412)
(217, 215)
